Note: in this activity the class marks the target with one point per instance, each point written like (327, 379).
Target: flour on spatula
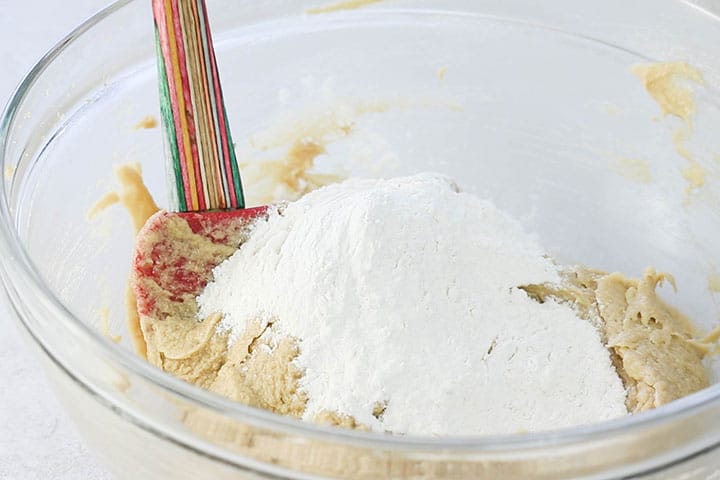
(404, 293)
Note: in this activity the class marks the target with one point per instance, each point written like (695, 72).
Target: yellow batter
(669, 85)
(345, 5)
(664, 82)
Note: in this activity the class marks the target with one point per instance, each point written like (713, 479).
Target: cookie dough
(652, 345)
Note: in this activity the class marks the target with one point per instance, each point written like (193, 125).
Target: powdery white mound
(404, 293)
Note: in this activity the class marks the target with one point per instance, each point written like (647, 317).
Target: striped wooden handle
(201, 153)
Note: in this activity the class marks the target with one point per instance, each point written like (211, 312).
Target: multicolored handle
(202, 157)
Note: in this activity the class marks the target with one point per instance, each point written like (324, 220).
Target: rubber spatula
(204, 179)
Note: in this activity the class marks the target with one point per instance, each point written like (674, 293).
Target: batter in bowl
(579, 346)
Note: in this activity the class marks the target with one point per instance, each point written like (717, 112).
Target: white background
(37, 440)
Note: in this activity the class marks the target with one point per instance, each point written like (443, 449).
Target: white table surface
(37, 439)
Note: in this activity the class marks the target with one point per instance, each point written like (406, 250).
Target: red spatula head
(176, 252)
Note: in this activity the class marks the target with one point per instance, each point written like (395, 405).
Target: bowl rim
(18, 262)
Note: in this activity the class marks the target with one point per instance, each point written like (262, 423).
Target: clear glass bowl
(530, 103)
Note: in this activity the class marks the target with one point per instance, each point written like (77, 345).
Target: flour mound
(403, 295)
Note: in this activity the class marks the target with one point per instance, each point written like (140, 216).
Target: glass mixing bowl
(532, 104)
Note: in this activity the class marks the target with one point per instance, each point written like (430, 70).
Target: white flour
(404, 293)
